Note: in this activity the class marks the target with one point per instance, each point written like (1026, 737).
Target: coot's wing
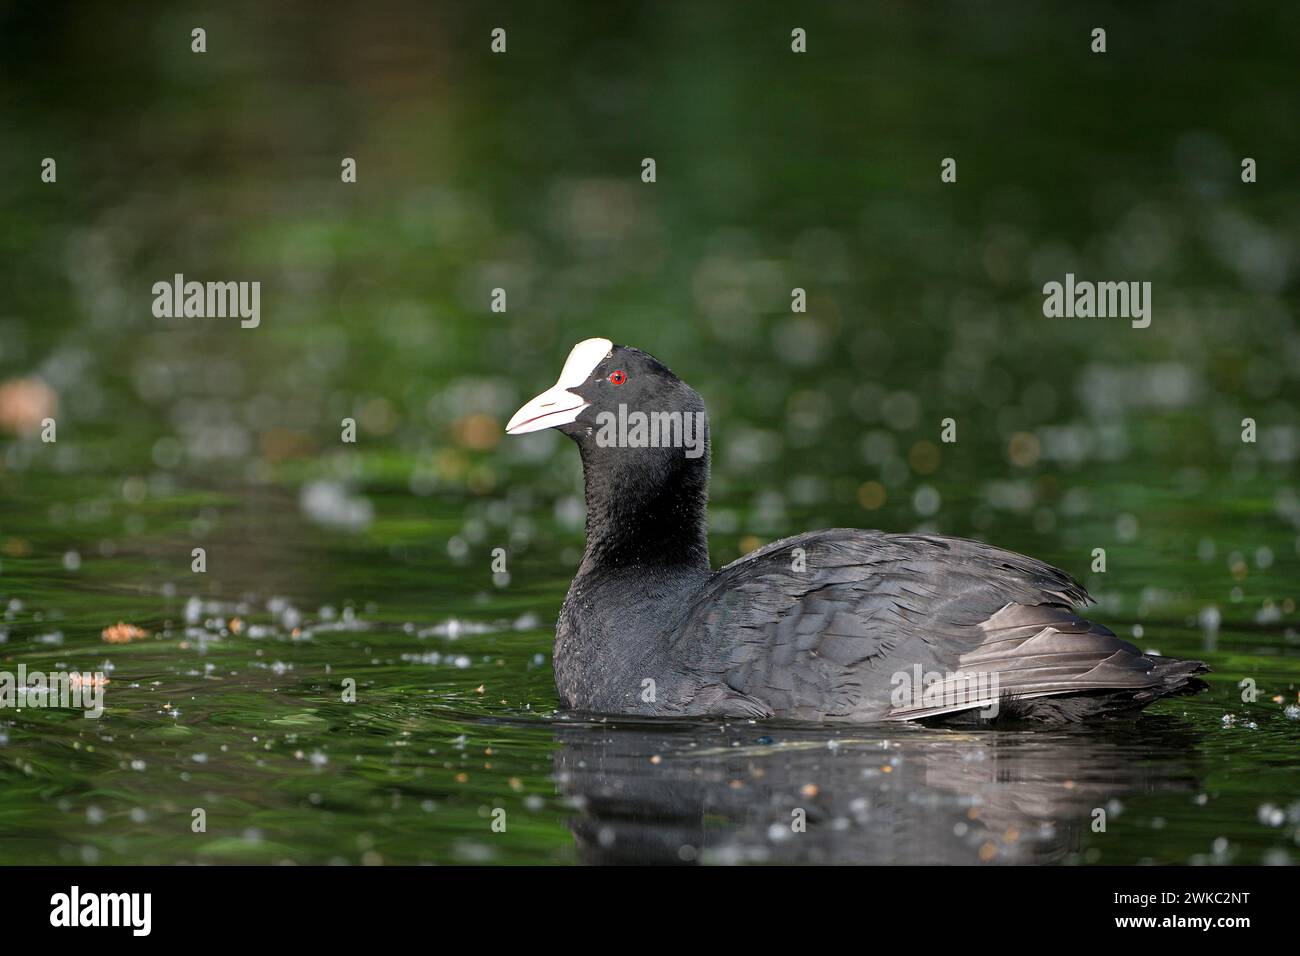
(861, 625)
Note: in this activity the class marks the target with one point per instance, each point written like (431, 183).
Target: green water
(369, 564)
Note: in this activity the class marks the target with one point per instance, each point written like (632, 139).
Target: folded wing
(862, 625)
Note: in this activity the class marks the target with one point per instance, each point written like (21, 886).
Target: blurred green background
(521, 171)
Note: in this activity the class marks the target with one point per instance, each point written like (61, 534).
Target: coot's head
(644, 440)
(618, 397)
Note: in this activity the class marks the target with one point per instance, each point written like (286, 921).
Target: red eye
(617, 377)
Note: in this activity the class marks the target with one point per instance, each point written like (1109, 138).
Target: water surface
(332, 565)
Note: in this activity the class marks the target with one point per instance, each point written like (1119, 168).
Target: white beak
(557, 405)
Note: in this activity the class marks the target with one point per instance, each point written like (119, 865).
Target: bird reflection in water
(686, 792)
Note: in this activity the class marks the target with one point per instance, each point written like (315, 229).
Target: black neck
(646, 513)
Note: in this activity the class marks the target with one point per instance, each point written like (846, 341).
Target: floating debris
(1271, 816)
(121, 633)
(454, 628)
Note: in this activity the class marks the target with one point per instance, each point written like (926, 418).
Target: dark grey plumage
(830, 641)
(837, 625)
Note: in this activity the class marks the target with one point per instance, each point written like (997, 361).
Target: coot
(837, 625)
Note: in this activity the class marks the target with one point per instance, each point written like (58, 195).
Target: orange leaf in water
(121, 633)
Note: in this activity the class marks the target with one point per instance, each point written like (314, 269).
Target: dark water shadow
(733, 793)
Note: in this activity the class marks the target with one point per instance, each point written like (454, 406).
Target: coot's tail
(1044, 663)
(1175, 678)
